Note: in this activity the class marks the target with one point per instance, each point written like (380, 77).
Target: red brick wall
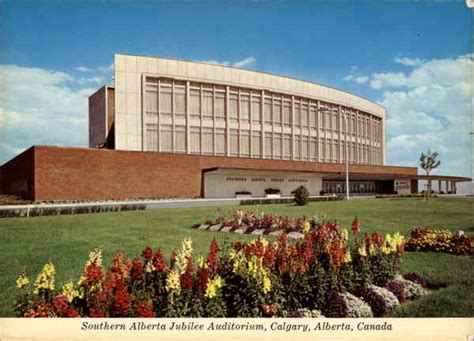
(80, 173)
(17, 175)
(64, 173)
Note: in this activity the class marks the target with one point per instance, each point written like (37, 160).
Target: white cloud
(83, 69)
(408, 61)
(428, 107)
(96, 79)
(106, 69)
(356, 76)
(244, 63)
(42, 107)
(247, 62)
(361, 79)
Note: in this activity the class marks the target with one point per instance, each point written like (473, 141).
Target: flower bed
(260, 223)
(426, 239)
(323, 272)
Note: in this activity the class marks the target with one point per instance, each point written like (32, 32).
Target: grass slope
(67, 240)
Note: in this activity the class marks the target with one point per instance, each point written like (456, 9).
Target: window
(244, 108)
(245, 143)
(220, 141)
(256, 110)
(234, 142)
(180, 139)
(207, 141)
(219, 102)
(233, 107)
(151, 137)
(207, 109)
(166, 138)
(256, 144)
(194, 104)
(195, 136)
(287, 146)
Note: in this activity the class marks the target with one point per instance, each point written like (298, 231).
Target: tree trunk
(428, 189)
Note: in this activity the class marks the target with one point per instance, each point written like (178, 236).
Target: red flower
(159, 262)
(238, 246)
(30, 313)
(60, 305)
(94, 273)
(202, 277)
(71, 313)
(186, 279)
(147, 253)
(136, 272)
(96, 313)
(355, 225)
(377, 239)
(42, 309)
(212, 261)
(145, 309)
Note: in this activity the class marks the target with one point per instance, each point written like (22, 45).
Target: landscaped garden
(66, 242)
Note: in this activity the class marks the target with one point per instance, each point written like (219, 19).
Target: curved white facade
(187, 107)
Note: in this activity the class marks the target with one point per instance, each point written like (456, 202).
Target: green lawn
(67, 240)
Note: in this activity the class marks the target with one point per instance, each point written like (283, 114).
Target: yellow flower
(347, 257)
(45, 280)
(345, 234)
(306, 227)
(362, 251)
(172, 282)
(252, 268)
(95, 257)
(213, 286)
(69, 291)
(372, 250)
(201, 263)
(267, 284)
(22, 281)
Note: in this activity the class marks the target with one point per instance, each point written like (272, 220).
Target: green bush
(301, 195)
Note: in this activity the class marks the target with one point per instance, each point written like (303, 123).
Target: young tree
(428, 162)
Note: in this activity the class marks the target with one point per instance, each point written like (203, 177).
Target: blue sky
(412, 57)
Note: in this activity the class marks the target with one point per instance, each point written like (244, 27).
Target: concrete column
(159, 116)
(339, 137)
(143, 112)
(262, 122)
(293, 127)
(188, 123)
(173, 120)
(239, 134)
(250, 124)
(227, 121)
(201, 135)
(214, 147)
(318, 131)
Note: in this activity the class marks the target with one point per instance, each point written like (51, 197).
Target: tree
(301, 196)
(428, 162)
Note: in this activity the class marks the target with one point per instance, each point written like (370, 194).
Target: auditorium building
(180, 129)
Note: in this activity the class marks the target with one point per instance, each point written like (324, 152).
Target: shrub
(301, 195)
(346, 305)
(397, 288)
(380, 299)
(414, 277)
(243, 193)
